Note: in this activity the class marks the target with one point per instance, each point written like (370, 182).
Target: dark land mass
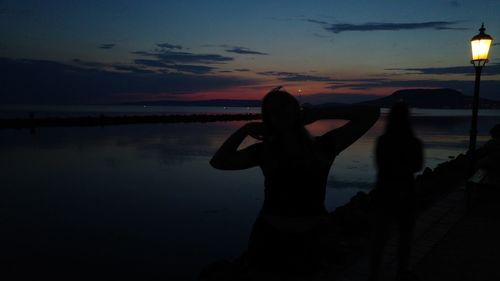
(324, 105)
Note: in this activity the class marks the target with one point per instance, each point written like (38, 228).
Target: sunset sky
(83, 52)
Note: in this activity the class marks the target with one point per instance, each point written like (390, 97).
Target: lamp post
(480, 45)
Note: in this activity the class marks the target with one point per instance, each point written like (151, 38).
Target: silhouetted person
(295, 166)
(399, 155)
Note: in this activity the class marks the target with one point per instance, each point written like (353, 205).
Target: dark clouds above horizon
(175, 48)
(169, 46)
(168, 56)
(294, 77)
(244, 51)
(88, 82)
(53, 82)
(387, 26)
(180, 61)
(491, 69)
(107, 46)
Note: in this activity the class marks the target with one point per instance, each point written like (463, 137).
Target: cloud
(244, 51)
(317, 21)
(26, 81)
(180, 61)
(91, 64)
(292, 76)
(357, 84)
(195, 69)
(236, 49)
(107, 46)
(143, 53)
(242, 69)
(168, 46)
(386, 26)
(336, 97)
(489, 69)
(131, 68)
(108, 66)
(168, 56)
(152, 63)
(184, 57)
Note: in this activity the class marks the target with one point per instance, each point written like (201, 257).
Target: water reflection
(145, 195)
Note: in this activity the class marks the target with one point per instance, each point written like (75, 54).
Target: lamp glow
(480, 45)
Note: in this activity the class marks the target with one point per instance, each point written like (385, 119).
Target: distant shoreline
(112, 120)
(104, 120)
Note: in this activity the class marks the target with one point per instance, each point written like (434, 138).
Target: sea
(144, 198)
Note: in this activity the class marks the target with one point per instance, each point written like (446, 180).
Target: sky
(88, 52)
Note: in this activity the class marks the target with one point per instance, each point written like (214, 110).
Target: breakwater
(103, 120)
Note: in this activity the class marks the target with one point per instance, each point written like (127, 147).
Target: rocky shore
(348, 234)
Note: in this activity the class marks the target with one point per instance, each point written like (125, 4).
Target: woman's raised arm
(361, 119)
(228, 157)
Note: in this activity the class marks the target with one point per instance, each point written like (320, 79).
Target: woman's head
(398, 121)
(280, 111)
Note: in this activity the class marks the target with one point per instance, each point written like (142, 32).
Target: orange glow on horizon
(298, 89)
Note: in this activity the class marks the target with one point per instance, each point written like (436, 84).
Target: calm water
(145, 195)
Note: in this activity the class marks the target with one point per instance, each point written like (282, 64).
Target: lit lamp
(480, 45)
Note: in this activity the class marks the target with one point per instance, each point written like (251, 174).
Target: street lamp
(480, 45)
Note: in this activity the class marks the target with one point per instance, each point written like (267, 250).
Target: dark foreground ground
(470, 250)
(453, 241)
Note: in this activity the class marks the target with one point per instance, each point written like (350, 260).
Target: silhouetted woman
(398, 156)
(295, 167)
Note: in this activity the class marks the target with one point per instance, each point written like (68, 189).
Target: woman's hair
(398, 121)
(279, 99)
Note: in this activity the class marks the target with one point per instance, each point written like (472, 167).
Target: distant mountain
(216, 102)
(323, 105)
(432, 98)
